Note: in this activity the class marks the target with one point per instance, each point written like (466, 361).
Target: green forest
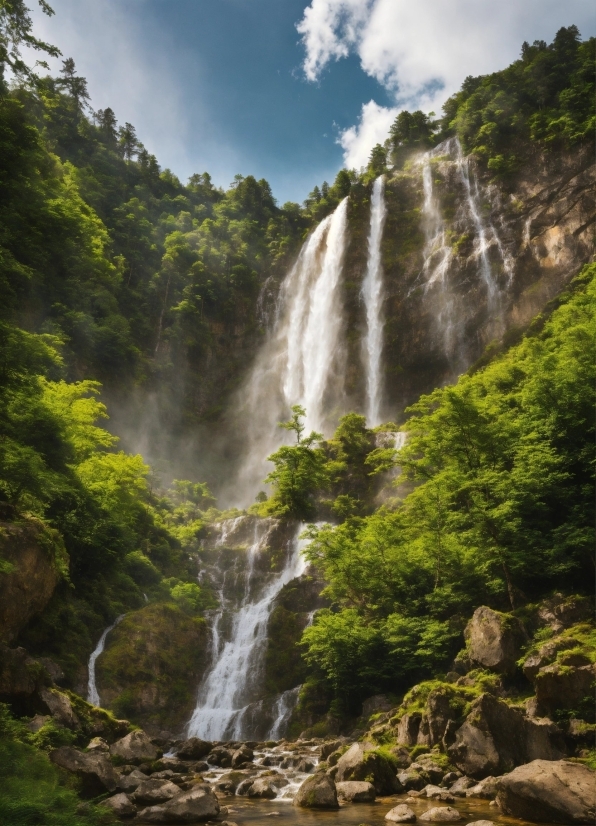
(115, 274)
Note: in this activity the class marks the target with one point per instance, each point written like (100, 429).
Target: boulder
(153, 791)
(136, 747)
(98, 744)
(241, 756)
(440, 814)
(194, 749)
(545, 655)
(95, 771)
(564, 686)
(438, 713)
(356, 791)
(412, 779)
(194, 806)
(228, 783)
(328, 748)
(60, 707)
(407, 729)
(121, 805)
(496, 737)
(243, 787)
(460, 787)
(363, 763)
(494, 640)
(262, 787)
(317, 792)
(38, 722)
(562, 612)
(437, 793)
(550, 792)
(450, 778)
(486, 789)
(482, 823)
(430, 768)
(401, 814)
(220, 756)
(130, 782)
(20, 676)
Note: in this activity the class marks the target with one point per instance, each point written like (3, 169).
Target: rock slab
(95, 770)
(401, 814)
(356, 791)
(317, 792)
(195, 806)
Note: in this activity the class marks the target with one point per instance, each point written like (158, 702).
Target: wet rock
(401, 814)
(220, 757)
(486, 789)
(194, 806)
(440, 814)
(228, 783)
(361, 763)
(482, 823)
(494, 640)
(450, 778)
(376, 704)
(241, 756)
(437, 793)
(305, 765)
(60, 707)
(550, 792)
(136, 747)
(317, 792)
(97, 744)
(328, 748)
(356, 791)
(243, 787)
(412, 779)
(121, 805)
(175, 764)
(563, 686)
(194, 749)
(460, 787)
(262, 788)
(154, 791)
(95, 771)
(130, 782)
(407, 729)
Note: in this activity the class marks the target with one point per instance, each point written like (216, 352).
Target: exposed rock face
(35, 561)
(20, 674)
(60, 707)
(550, 792)
(94, 770)
(564, 686)
(494, 640)
(495, 738)
(194, 806)
(317, 792)
(153, 791)
(356, 791)
(136, 747)
(561, 612)
(152, 664)
(407, 729)
(401, 814)
(360, 763)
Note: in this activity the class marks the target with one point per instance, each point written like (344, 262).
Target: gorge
(387, 591)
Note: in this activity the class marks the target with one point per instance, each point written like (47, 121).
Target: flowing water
(372, 293)
(92, 693)
(301, 361)
(227, 698)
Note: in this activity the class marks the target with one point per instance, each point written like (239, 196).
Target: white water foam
(92, 693)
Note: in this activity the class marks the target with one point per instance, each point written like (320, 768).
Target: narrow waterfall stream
(92, 693)
(301, 360)
(231, 684)
(372, 293)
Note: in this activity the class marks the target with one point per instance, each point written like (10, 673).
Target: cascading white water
(92, 693)
(301, 361)
(224, 696)
(372, 293)
(284, 706)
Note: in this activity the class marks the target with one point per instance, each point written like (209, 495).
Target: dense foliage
(494, 505)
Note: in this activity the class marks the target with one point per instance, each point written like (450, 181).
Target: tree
(377, 162)
(76, 86)
(127, 140)
(411, 131)
(16, 31)
(299, 472)
(106, 120)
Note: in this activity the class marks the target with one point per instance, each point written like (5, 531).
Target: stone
(95, 771)
(98, 744)
(545, 656)
(220, 756)
(434, 772)
(401, 814)
(549, 792)
(437, 793)
(317, 792)
(407, 729)
(438, 713)
(136, 747)
(263, 787)
(486, 789)
(494, 640)
(228, 783)
(19, 675)
(194, 749)
(450, 778)
(362, 763)
(440, 814)
(60, 707)
(241, 756)
(194, 806)
(121, 805)
(412, 779)
(244, 786)
(482, 823)
(153, 791)
(564, 686)
(305, 765)
(356, 791)
(460, 787)
(130, 782)
(376, 704)
(561, 612)
(38, 722)
(328, 748)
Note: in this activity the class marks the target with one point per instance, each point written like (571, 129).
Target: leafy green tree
(16, 31)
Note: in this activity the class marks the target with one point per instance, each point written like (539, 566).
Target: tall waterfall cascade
(229, 691)
(372, 294)
(92, 692)
(301, 363)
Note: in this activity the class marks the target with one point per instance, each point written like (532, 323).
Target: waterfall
(372, 293)
(92, 694)
(284, 706)
(301, 360)
(228, 687)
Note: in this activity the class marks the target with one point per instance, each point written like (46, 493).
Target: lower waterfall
(229, 690)
(92, 693)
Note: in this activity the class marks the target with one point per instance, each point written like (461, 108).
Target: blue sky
(229, 86)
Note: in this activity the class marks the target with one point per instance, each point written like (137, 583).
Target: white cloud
(421, 51)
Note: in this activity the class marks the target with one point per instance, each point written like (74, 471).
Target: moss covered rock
(152, 666)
